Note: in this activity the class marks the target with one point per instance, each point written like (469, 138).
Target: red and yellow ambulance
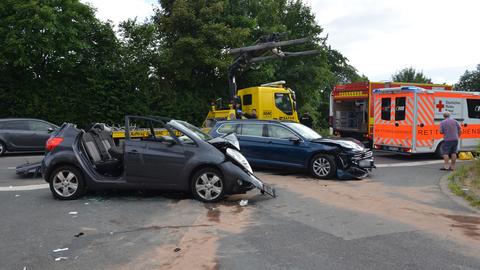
(407, 119)
(351, 107)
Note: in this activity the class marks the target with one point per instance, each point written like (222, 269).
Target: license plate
(366, 163)
(393, 148)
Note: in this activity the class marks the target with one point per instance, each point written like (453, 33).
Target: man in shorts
(451, 131)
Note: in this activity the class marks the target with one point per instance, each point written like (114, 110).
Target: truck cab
(270, 101)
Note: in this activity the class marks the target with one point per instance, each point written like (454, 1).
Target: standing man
(451, 131)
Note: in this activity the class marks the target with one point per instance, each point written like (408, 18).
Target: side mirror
(294, 139)
(50, 130)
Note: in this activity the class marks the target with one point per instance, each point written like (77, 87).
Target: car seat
(98, 154)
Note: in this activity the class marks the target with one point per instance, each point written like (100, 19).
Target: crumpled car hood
(347, 143)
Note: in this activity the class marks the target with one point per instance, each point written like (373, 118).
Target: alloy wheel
(321, 167)
(65, 183)
(208, 186)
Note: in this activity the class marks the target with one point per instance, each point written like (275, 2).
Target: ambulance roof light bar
(400, 89)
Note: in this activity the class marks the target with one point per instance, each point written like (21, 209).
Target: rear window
(399, 108)
(473, 108)
(247, 100)
(252, 130)
(386, 102)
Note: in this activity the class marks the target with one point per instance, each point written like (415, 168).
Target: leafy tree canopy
(410, 75)
(469, 81)
(58, 62)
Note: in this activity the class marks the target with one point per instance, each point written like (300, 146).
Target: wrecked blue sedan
(278, 144)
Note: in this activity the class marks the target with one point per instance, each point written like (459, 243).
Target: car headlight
(238, 157)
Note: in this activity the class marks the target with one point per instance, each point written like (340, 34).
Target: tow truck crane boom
(258, 53)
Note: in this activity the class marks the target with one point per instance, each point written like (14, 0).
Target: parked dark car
(24, 135)
(174, 155)
(279, 144)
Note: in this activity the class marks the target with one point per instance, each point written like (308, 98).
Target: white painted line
(22, 188)
(409, 164)
(11, 168)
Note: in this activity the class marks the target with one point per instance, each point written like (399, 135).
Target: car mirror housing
(294, 139)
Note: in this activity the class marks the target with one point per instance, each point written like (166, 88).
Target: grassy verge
(465, 182)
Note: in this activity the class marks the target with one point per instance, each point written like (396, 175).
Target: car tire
(323, 166)
(3, 148)
(208, 185)
(66, 183)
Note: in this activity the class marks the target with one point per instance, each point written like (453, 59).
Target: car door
(252, 142)
(157, 160)
(41, 131)
(18, 135)
(283, 149)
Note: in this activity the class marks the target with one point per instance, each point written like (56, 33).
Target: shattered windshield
(198, 132)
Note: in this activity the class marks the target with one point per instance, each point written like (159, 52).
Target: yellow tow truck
(270, 101)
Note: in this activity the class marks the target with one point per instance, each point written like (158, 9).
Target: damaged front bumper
(358, 168)
(243, 180)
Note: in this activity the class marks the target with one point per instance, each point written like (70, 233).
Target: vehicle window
(17, 125)
(227, 128)
(305, 131)
(473, 108)
(185, 139)
(386, 102)
(283, 102)
(400, 108)
(279, 132)
(247, 100)
(39, 126)
(252, 130)
(141, 130)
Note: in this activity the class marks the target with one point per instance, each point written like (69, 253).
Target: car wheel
(3, 148)
(66, 183)
(208, 185)
(323, 166)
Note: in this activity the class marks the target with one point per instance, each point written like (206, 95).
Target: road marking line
(410, 164)
(11, 168)
(22, 188)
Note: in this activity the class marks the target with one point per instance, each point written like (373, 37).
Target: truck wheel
(66, 183)
(3, 148)
(208, 185)
(323, 166)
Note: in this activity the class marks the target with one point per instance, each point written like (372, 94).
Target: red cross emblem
(440, 106)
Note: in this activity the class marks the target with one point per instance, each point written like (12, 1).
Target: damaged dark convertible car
(157, 153)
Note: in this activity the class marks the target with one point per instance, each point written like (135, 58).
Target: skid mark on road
(375, 198)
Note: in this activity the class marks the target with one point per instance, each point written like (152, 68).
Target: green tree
(410, 75)
(469, 81)
(57, 61)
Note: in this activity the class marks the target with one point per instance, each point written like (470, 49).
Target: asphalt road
(398, 218)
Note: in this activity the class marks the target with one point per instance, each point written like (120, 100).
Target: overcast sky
(378, 37)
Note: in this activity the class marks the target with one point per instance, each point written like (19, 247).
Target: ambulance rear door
(394, 119)
(426, 128)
